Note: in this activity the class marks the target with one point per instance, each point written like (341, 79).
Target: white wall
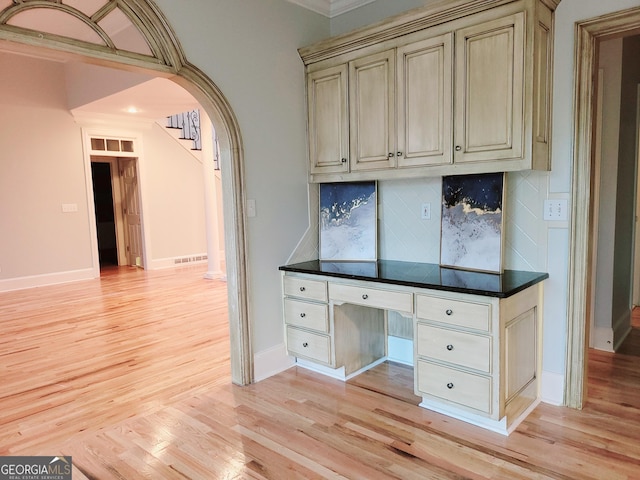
(42, 167)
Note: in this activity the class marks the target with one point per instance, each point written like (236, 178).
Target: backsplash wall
(403, 235)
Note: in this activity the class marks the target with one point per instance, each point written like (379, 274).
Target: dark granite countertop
(424, 275)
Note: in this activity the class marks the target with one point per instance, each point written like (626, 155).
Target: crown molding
(331, 8)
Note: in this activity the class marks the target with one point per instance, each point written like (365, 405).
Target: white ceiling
(154, 99)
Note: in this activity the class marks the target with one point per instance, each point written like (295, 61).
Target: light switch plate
(555, 210)
(69, 207)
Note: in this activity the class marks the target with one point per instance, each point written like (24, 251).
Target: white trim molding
(271, 361)
(19, 283)
(331, 8)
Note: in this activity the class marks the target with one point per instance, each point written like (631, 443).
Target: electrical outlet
(426, 211)
(556, 210)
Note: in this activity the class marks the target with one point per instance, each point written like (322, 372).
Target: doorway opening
(581, 270)
(104, 203)
(118, 211)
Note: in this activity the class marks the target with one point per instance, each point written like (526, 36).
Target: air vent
(198, 258)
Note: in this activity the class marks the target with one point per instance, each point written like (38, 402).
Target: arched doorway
(90, 33)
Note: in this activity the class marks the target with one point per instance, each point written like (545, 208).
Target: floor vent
(197, 258)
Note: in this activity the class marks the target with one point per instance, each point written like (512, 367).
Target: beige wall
(173, 186)
(42, 167)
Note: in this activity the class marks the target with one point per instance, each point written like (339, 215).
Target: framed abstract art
(472, 229)
(348, 221)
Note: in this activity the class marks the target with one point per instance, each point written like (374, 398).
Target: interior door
(131, 210)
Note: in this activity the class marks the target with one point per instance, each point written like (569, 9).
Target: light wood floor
(130, 376)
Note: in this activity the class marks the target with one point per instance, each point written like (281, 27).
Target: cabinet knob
(302, 289)
(305, 344)
(449, 385)
(343, 160)
(365, 296)
(399, 154)
(458, 148)
(449, 312)
(449, 347)
(302, 315)
(390, 154)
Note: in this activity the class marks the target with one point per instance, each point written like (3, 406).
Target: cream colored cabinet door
(328, 120)
(489, 71)
(372, 112)
(425, 102)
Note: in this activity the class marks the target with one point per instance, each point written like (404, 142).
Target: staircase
(188, 124)
(187, 130)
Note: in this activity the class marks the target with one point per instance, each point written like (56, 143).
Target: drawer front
(460, 348)
(313, 346)
(307, 315)
(372, 297)
(305, 288)
(473, 391)
(454, 312)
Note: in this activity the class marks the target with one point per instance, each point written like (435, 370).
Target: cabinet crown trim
(403, 24)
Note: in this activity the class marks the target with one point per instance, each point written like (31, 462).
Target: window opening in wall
(111, 145)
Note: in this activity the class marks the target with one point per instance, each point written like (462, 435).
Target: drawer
(469, 390)
(307, 315)
(305, 288)
(454, 312)
(372, 297)
(313, 346)
(460, 348)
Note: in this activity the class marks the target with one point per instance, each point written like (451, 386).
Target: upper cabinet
(489, 96)
(463, 87)
(328, 120)
(372, 107)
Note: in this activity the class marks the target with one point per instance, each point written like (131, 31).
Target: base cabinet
(479, 358)
(476, 358)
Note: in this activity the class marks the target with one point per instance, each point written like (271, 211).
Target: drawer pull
(365, 296)
(449, 312)
(302, 289)
(449, 347)
(305, 344)
(449, 385)
(302, 315)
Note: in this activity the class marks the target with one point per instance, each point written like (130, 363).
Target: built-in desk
(477, 336)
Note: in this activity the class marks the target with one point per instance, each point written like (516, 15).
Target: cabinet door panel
(328, 120)
(425, 102)
(520, 352)
(372, 112)
(489, 90)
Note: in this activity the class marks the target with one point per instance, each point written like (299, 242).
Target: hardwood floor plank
(129, 374)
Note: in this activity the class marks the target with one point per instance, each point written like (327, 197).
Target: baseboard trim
(271, 362)
(552, 388)
(32, 281)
